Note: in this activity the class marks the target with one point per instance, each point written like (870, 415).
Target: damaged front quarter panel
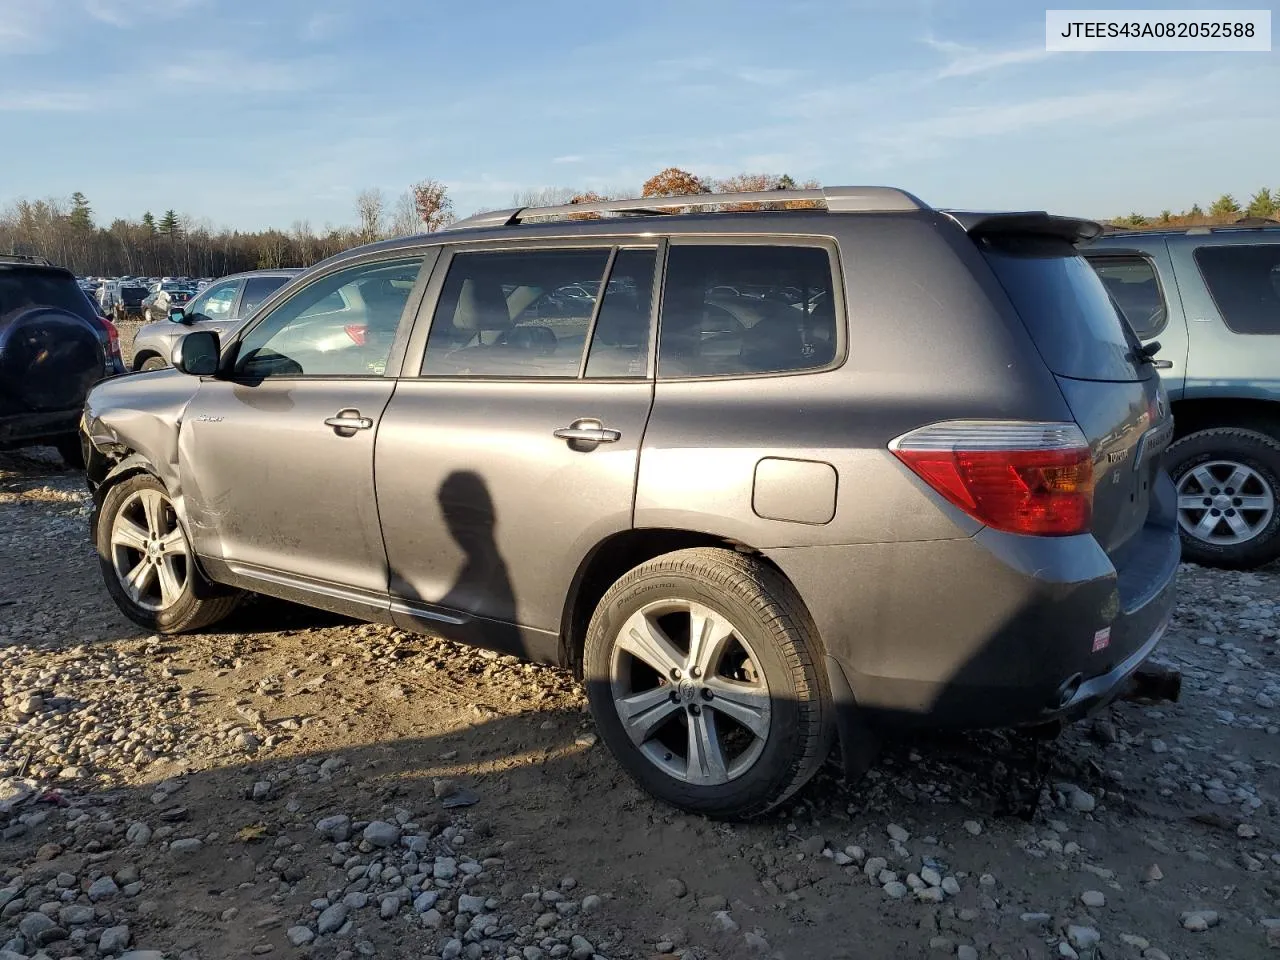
(137, 419)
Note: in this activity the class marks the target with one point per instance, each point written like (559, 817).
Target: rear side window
(518, 314)
(257, 289)
(1065, 307)
(1244, 281)
(1133, 284)
(743, 310)
(23, 288)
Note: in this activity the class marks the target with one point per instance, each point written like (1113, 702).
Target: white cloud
(23, 25)
(569, 158)
(46, 101)
(321, 25)
(965, 61)
(127, 13)
(231, 73)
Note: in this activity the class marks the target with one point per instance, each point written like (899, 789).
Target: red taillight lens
(1032, 478)
(356, 332)
(113, 336)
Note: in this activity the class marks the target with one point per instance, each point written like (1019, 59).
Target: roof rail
(24, 258)
(835, 199)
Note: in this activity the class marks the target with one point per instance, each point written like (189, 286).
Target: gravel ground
(300, 785)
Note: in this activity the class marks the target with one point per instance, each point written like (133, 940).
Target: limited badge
(1102, 639)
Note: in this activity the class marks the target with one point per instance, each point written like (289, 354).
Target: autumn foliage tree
(587, 196)
(673, 182)
(435, 208)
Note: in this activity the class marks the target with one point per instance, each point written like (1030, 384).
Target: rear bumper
(991, 631)
(30, 427)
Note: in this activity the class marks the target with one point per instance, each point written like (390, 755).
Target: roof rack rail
(835, 199)
(25, 258)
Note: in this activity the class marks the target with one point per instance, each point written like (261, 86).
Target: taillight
(113, 337)
(1032, 478)
(356, 332)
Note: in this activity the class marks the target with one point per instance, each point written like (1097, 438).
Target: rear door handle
(588, 430)
(1162, 364)
(346, 422)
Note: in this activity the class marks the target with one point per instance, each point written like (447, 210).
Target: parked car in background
(934, 499)
(163, 298)
(220, 307)
(53, 347)
(128, 301)
(1211, 298)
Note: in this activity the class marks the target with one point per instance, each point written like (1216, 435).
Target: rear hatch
(1115, 396)
(133, 296)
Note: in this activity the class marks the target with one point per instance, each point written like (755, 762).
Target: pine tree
(1261, 204)
(81, 217)
(169, 223)
(149, 224)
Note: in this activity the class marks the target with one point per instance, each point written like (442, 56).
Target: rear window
(1061, 299)
(257, 289)
(1244, 280)
(1133, 284)
(24, 288)
(133, 293)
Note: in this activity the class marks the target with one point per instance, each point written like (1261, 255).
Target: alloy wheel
(149, 551)
(1224, 502)
(690, 692)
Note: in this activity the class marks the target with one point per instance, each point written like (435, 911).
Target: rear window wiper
(1146, 353)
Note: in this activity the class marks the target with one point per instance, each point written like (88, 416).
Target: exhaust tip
(1068, 690)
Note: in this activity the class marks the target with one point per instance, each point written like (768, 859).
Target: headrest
(481, 306)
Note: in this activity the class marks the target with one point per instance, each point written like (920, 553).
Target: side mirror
(178, 314)
(197, 353)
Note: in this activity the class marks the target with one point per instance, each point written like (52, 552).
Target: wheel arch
(142, 357)
(1193, 414)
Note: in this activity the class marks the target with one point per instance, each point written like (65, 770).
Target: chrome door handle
(588, 430)
(348, 420)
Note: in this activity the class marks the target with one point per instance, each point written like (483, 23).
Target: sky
(257, 113)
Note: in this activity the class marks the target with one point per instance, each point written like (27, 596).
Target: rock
(874, 865)
(1093, 899)
(1083, 938)
(389, 906)
(1066, 951)
(186, 845)
(675, 887)
(930, 895)
(298, 936)
(897, 833)
(1153, 873)
(332, 918)
(755, 942)
(138, 834)
(114, 939)
(453, 949)
(382, 834)
(966, 952)
(586, 740)
(337, 827)
(590, 903)
(951, 886)
(102, 888)
(931, 876)
(1159, 746)
(532, 953)
(813, 846)
(446, 868)
(721, 920)
(1138, 943)
(942, 944)
(75, 914)
(1082, 801)
(425, 900)
(143, 955)
(34, 926)
(1246, 831)
(468, 903)
(972, 827)
(895, 890)
(1198, 921)
(581, 948)
(262, 790)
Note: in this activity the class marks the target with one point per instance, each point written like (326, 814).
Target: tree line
(174, 243)
(1263, 205)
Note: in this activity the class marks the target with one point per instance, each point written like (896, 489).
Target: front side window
(257, 289)
(1244, 280)
(515, 314)
(742, 310)
(1133, 285)
(340, 325)
(215, 303)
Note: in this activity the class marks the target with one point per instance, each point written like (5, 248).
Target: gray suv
(219, 307)
(784, 476)
(1211, 299)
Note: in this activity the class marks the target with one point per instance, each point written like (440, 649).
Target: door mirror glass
(177, 314)
(197, 353)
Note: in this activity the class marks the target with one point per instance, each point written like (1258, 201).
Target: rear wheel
(147, 562)
(703, 675)
(1228, 483)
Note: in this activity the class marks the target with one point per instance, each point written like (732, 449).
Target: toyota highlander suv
(791, 476)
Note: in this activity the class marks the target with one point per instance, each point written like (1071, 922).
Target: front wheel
(147, 563)
(703, 675)
(1228, 482)
(153, 363)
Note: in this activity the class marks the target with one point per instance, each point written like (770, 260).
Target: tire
(773, 652)
(71, 451)
(193, 602)
(153, 362)
(1202, 465)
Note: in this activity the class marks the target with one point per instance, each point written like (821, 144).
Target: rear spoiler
(1036, 222)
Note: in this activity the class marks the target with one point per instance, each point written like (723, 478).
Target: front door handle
(588, 430)
(346, 422)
